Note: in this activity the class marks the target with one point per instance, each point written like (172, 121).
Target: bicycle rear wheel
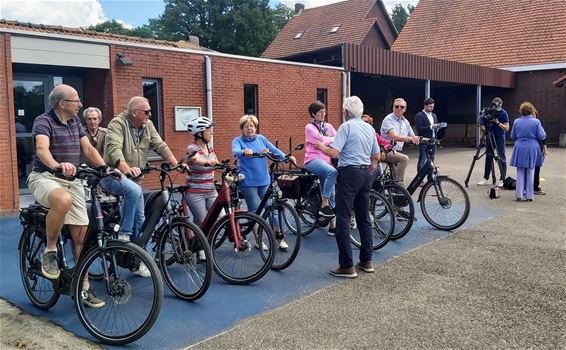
(289, 226)
(132, 303)
(39, 289)
(403, 206)
(307, 209)
(252, 259)
(446, 208)
(382, 218)
(185, 260)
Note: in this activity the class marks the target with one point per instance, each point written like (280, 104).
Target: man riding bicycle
(59, 138)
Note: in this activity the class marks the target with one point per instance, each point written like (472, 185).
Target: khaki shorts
(41, 185)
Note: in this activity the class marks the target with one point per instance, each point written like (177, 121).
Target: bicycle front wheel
(286, 229)
(39, 289)
(251, 259)
(185, 260)
(403, 206)
(131, 304)
(382, 218)
(446, 206)
(307, 209)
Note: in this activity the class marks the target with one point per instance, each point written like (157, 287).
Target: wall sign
(182, 116)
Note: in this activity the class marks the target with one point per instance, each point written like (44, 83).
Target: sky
(132, 13)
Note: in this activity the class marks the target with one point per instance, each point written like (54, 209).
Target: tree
(400, 15)
(115, 27)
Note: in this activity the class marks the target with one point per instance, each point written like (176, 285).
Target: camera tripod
(489, 151)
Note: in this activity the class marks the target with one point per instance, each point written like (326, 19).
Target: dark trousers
(489, 163)
(422, 155)
(352, 192)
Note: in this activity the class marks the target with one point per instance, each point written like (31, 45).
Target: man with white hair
(355, 146)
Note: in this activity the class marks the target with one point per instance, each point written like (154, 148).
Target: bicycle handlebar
(84, 171)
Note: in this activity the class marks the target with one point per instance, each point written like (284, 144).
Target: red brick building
(107, 70)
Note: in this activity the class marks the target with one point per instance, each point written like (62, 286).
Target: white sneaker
(143, 271)
(124, 237)
(283, 244)
(263, 246)
(201, 255)
(484, 182)
(500, 183)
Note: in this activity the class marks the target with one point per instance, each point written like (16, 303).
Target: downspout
(208, 73)
(478, 111)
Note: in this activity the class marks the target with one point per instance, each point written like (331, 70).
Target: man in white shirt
(396, 127)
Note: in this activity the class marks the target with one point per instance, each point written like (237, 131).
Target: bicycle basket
(293, 185)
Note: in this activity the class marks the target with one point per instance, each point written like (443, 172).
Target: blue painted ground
(181, 323)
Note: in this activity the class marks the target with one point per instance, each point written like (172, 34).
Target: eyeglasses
(74, 101)
(400, 107)
(146, 112)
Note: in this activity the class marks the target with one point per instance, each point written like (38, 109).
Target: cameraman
(498, 124)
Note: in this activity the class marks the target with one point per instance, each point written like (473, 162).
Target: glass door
(30, 100)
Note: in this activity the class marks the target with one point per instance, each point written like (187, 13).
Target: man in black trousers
(427, 126)
(355, 146)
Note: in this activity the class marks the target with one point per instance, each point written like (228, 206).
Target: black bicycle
(280, 214)
(131, 304)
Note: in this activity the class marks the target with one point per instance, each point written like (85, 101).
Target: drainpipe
(478, 111)
(427, 89)
(345, 90)
(208, 73)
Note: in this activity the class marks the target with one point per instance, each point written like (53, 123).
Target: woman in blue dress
(527, 132)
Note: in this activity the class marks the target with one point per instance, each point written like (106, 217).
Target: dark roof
(88, 34)
(486, 32)
(356, 19)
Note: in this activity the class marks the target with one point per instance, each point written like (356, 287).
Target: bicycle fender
(438, 177)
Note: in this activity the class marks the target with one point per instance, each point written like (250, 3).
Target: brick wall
(9, 193)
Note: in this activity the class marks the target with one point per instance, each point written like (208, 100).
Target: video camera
(489, 115)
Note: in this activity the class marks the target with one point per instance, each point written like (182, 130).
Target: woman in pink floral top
(316, 161)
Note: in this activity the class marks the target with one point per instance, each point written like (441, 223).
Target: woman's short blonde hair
(89, 110)
(527, 108)
(245, 119)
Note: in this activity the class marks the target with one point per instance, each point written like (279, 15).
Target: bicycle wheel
(403, 206)
(39, 289)
(253, 258)
(446, 207)
(132, 303)
(289, 230)
(382, 218)
(307, 209)
(185, 260)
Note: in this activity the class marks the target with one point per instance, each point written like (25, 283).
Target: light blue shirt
(356, 142)
(400, 126)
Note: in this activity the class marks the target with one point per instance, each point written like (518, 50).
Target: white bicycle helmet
(199, 124)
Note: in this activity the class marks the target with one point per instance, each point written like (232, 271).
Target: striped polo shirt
(64, 139)
(201, 178)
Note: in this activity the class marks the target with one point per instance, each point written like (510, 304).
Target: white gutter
(208, 64)
(535, 67)
(163, 48)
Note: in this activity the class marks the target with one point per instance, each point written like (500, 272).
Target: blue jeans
(327, 175)
(422, 155)
(500, 144)
(253, 196)
(132, 210)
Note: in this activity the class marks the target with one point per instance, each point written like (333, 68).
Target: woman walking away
(527, 131)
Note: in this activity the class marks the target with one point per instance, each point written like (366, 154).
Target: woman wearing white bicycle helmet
(202, 192)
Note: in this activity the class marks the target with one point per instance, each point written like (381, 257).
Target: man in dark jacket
(427, 126)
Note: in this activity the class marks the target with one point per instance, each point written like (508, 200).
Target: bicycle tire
(183, 269)
(119, 288)
(382, 217)
(454, 206)
(401, 201)
(289, 230)
(305, 208)
(245, 264)
(40, 290)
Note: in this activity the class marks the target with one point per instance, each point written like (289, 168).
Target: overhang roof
(356, 19)
(502, 33)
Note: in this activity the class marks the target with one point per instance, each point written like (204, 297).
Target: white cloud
(389, 4)
(70, 13)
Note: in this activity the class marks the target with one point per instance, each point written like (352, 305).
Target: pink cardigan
(311, 136)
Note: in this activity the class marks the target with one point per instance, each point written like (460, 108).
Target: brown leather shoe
(344, 272)
(366, 266)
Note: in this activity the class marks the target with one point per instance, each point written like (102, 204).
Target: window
(299, 34)
(335, 29)
(152, 91)
(322, 96)
(250, 99)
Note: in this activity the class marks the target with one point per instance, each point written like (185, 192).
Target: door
(30, 100)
